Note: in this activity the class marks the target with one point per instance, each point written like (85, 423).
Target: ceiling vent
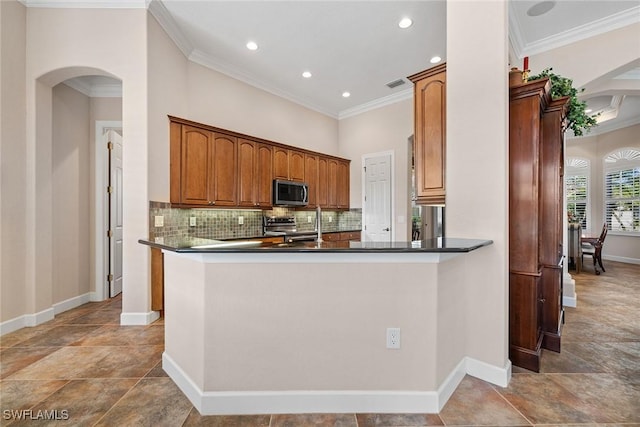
(395, 83)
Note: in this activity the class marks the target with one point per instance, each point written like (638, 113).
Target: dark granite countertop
(447, 245)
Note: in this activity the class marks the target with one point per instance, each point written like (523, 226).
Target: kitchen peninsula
(303, 327)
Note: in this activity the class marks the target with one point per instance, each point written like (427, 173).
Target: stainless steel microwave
(290, 193)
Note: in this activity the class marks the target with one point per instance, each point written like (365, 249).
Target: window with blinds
(577, 190)
(622, 191)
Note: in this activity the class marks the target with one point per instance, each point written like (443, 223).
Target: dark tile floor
(97, 373)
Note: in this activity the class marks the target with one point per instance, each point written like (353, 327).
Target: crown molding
(515, 34)
(87, 4)
(95, 91)
(376, 103)
(604, 25)
(163, 17)
(208, 61)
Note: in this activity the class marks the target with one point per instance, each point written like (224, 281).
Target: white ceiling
(357, 46)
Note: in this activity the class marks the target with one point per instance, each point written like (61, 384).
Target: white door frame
(392, 193)
(100, 240)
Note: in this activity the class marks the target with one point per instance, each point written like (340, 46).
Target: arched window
(576, 178)
(622, 190)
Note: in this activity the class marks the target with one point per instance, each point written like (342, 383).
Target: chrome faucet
(319, 224)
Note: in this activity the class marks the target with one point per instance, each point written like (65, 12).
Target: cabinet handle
(542, 300)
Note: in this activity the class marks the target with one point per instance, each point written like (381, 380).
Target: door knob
(386, 229)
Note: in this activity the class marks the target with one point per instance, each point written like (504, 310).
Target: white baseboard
(332, 401)
(30, 320)
(133, 319)
(489, 373)
(570, 301)
(25, 320)
(61, 307)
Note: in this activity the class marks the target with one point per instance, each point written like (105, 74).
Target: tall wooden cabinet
(430, 134)
(535, 222)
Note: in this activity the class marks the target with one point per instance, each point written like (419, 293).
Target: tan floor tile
(195, 419)
(115, 335)
(59, 336)
(544, 401)
(395, 420)
(475, 402)
(83, 401)
(21, 335)
(622, 402)
(100, 317)
(17, 395)
(311, 420)
(94, 362)
(157, 371)
(15, 358)
(152, 402)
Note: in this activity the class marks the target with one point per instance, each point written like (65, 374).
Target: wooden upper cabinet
(196, 158)
(430, 134)
(311, 177)
(332, 183)
(247, 173)
(288, 164)
(323, 182)
(342, 190)
(280, 163)
(296, 165)
(215, 167)
(224, 170)
(264, 175)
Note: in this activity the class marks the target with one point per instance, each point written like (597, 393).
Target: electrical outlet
(192, 221)
(240, 220)
(330, 219)
(158, 221)
(393, 338)
(309, 218)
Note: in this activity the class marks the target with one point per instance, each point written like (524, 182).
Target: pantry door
(377, 204)
(115, 213)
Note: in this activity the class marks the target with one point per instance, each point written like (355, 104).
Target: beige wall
(594, 149)
(71, 193)
(64, 43)
(13, 160)
(477, 165)
(383, 129)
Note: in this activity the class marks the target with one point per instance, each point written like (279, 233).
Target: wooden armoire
(536, 161)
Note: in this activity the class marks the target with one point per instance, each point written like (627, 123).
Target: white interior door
(377, 198)
(115, 213)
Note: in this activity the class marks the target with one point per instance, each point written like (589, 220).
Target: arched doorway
(69, 181)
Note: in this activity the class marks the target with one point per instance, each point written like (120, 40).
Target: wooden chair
(593, 246)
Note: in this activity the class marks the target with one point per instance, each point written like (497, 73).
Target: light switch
(192, 221)
(240, 220)
(159, 221)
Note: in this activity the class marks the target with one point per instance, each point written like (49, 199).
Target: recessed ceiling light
(435, 60)
(252, 46)
(405, 23)
(541, 8)
(306, 74)
(346, 94)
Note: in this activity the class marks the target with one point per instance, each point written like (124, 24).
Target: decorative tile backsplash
(225, 223)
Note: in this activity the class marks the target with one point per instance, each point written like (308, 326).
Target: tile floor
(97, 373)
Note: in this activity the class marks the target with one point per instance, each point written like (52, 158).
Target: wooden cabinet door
(332, 183)
(323, 182)
(247, 173)
(311, 178)
(296, 165)
(264, 175)
(224, 170)
(196, 157)
(430, 135)
(342, 190)
(280, 163)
